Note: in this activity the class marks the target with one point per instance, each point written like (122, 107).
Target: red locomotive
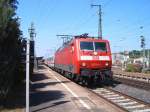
(84, 59)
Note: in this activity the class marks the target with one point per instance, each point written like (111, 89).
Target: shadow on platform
(38, 77)
(41, 85)
(41, 67)
(41, 98)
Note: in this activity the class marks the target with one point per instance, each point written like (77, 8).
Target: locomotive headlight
(106, 64)
(83, 64)
(95, 53)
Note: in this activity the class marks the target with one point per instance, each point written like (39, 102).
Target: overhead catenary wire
(130, 32)
(48, 10)
(136, 25)
(81, 24)
(86, 19)
(106, 3)
(127, 29)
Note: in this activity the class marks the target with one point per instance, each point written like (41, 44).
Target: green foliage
(135, 54)
(134, 68)
(7, 11)
(10, 42)
(138, 53)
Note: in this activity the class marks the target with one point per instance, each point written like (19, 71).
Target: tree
(7, 12)
(135, 54)
(10, 37)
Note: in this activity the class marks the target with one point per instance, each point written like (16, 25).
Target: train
(84, 59)
(49, 62)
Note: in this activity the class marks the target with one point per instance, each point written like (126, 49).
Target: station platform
(51, 92)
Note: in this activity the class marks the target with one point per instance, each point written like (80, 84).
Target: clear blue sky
(121, 20)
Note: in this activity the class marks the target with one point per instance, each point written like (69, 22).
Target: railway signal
(143, 47)
(142, 42)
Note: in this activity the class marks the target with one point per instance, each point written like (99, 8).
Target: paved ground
(51, 92)
(15, 101)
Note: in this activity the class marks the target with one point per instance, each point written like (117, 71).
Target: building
(119, 59)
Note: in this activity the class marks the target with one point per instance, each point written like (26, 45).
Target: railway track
(141, 77)
(121, 100)
(138, 80)
(134, 83)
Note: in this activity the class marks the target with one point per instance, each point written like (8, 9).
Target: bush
(134, 68)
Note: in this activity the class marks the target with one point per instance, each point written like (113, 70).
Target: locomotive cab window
(86, 46)
(100, 46)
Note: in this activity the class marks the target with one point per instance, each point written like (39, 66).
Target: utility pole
(99, 20)
(27, 74)
(29, 53)
(32, 39)
(32, 32)
(149, 58)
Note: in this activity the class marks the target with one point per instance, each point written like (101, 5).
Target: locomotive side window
(100, 46)
(86, 46)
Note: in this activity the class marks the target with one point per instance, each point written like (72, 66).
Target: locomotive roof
(87, 38)
(79, 37)
(91, 38)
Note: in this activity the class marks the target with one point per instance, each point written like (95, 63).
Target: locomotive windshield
(96, 46)
(86, 46)
(100, 46)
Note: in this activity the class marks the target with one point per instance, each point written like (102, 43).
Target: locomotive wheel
(73, 77)
(109, 81)
(86, 81)
(77, 78)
